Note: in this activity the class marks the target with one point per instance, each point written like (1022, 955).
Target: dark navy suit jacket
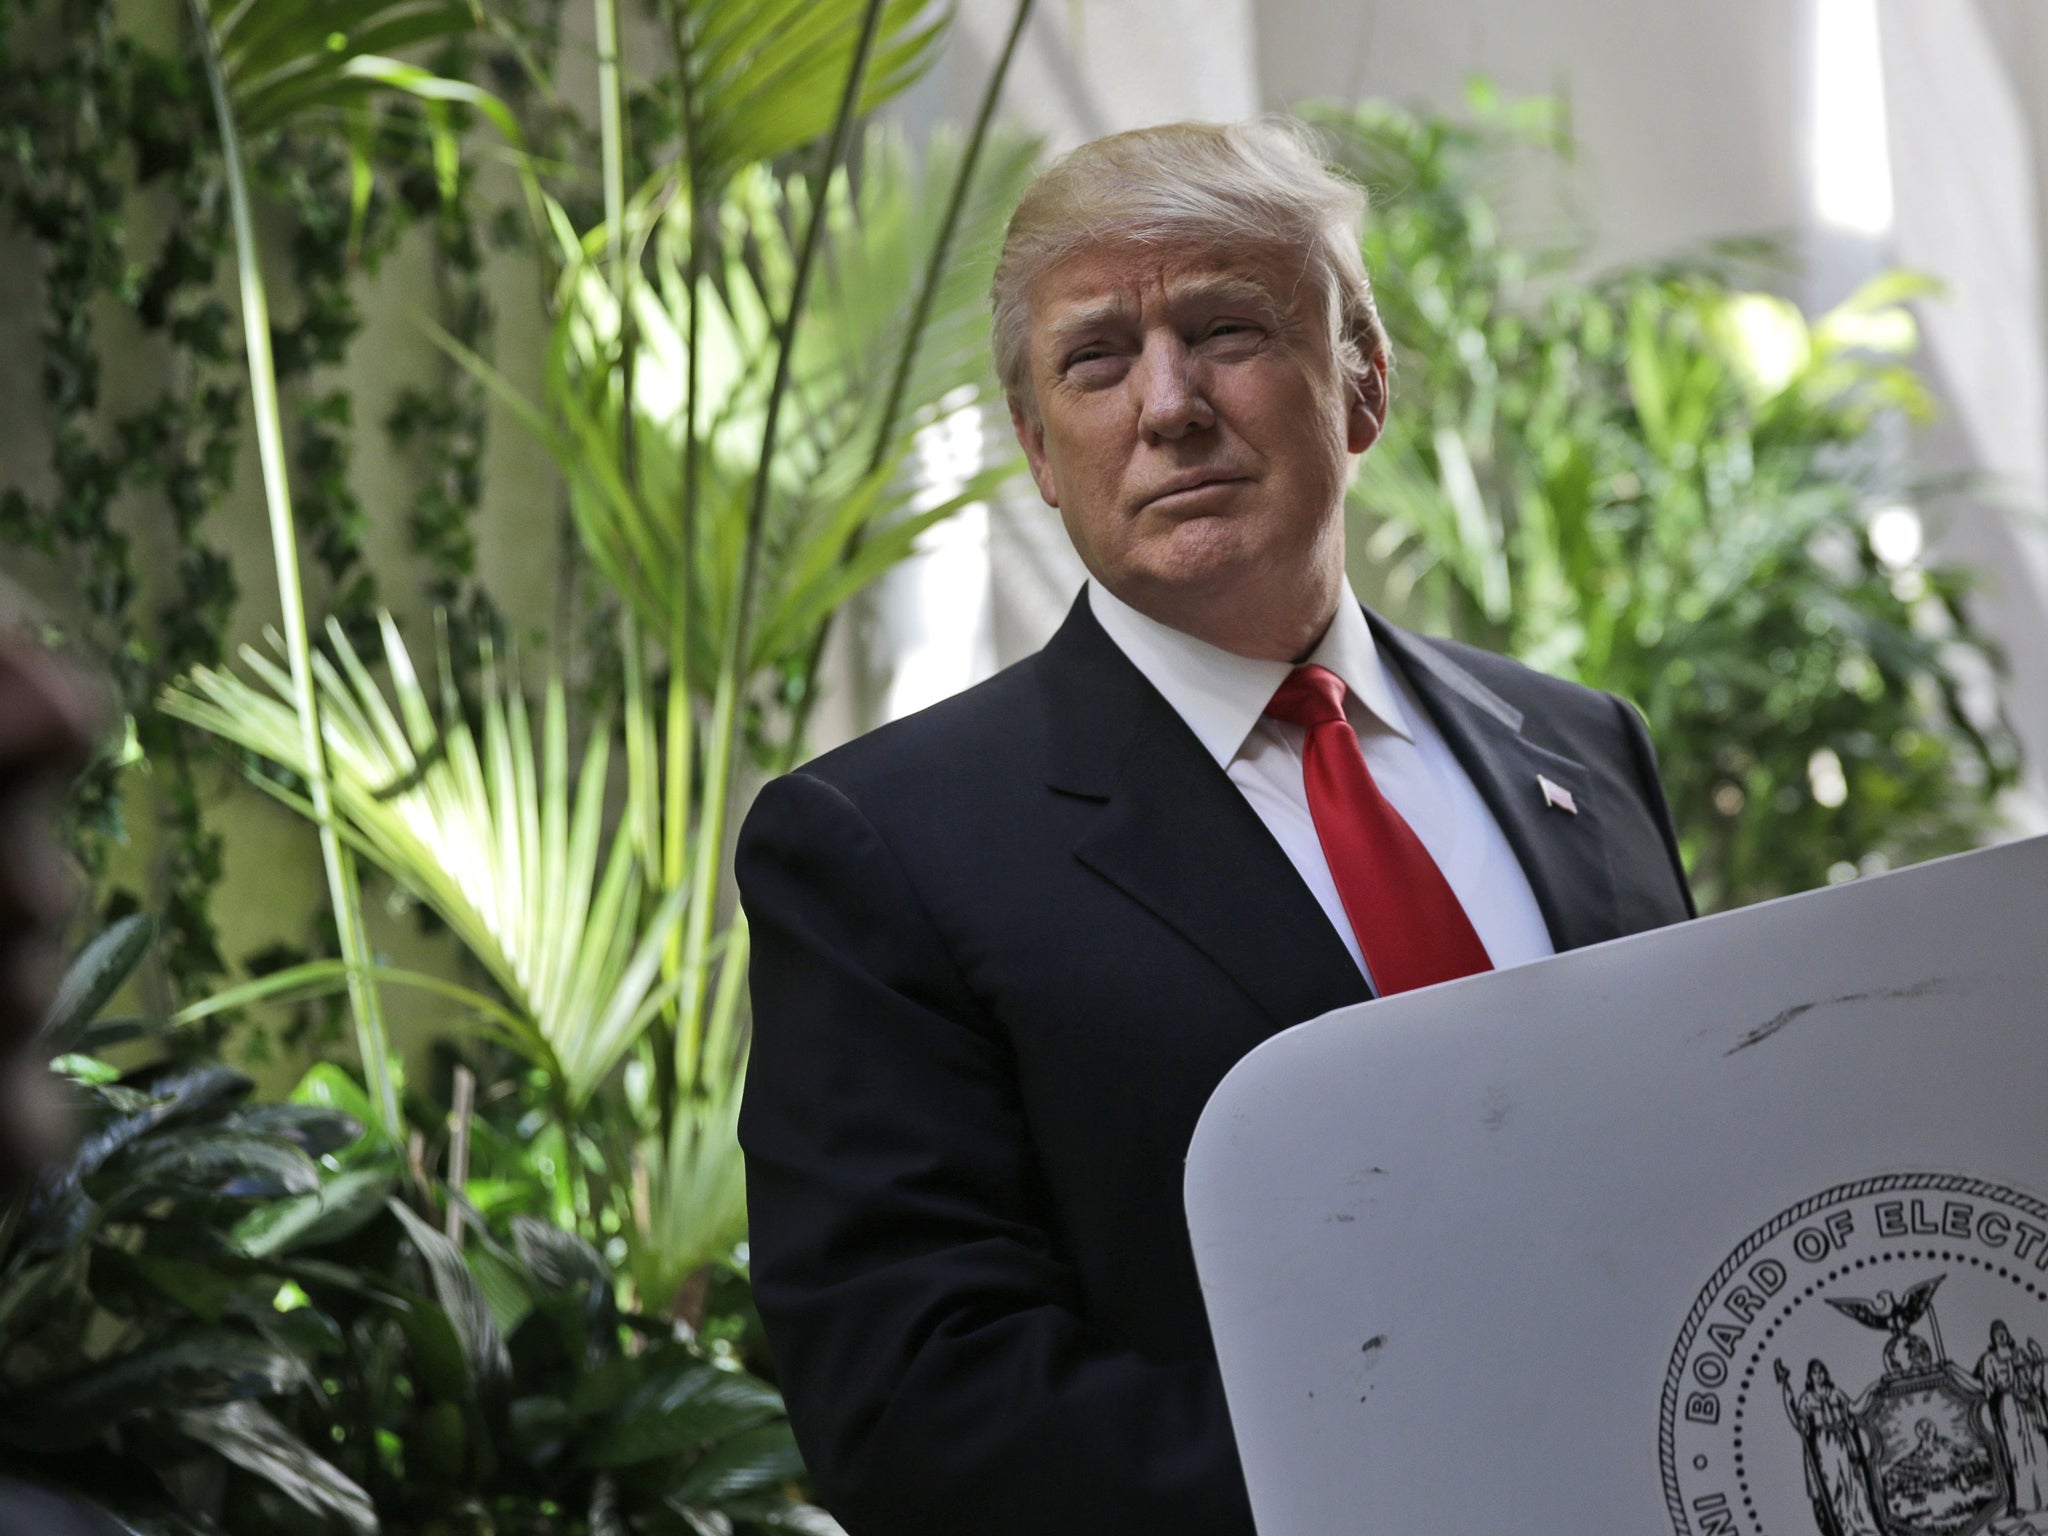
(1003, 950)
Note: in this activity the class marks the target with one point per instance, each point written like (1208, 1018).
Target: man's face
(1192, 426)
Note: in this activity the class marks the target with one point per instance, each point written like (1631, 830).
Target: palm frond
(284, 58)
(487, 829)
(760, 78)
(826, 492)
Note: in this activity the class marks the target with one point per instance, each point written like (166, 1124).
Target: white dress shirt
(1223, 697)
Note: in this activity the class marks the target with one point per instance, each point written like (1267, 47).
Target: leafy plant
(1661, 483)
(270, 63)
(129, 1320)
(492, 835)
(221, 1316)
(110, 185)
(739, 362)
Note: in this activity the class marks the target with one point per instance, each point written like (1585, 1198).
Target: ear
(1031, 438)
(1367, 414)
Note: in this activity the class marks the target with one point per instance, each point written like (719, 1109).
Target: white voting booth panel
(1739, 1228)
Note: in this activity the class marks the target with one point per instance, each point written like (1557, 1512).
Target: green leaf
(171, 1098)
(206, 1366)
(764, 77)
(342, 1206)
(326, 1086)
(201, 1289)
(755, 1459)
(94, 977)
(441, 1371)
(219, 1163)
(504, 1282)
(28, 1293)
(284, 59)
(313, 1130)
(101, 1033)
(559, 1261)
(254, 1440)
(582, 984)
(84, 1069)
(682, 1405)
(462, 1300)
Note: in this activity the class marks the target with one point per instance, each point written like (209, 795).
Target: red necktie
(1404, 913)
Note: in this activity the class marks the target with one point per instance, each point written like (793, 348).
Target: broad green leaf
(314, 1131)
(753, 1460)
(101, 1033)
(683, 1406)
(94, 977)
(342, 1206)
(559, 1261)
(506, 1285)
(176, 1096)
(201, 1289)
(327, 1086)
(462, 1301)
(764, 77)
(205, 1366)
(225, 1164)
(256, 1441)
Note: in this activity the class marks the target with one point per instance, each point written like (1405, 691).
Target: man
(1004, 950)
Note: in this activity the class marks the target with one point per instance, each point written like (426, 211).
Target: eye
(1093, 363)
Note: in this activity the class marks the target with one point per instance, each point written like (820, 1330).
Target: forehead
(1131, 280)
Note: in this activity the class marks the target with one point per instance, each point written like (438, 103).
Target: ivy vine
(108, 170)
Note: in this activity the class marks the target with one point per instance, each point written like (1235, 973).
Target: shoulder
(1053, 718)
(1485, 697)
(1567, 717)
(968, 726)
(932, 777)
(1537, 696)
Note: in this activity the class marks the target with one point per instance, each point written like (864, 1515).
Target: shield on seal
(1937, 1467)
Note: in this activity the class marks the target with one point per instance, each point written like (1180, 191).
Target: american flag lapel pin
(1556, 796)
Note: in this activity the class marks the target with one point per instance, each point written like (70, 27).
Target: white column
(1964, 185)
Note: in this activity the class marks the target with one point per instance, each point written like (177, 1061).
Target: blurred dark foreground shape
(45, 736)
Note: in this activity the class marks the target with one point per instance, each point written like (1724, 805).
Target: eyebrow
(1225, 289)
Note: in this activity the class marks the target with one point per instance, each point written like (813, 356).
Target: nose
(1171, 398)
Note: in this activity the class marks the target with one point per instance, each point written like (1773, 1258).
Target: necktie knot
(1310, 697)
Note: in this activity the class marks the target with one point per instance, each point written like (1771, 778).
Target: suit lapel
(1561, 853)
(1176, 836)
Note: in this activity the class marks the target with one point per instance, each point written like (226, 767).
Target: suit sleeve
(1644, 755)
(930, 1339)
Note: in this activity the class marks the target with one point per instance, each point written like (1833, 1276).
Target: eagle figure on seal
(1905, 1352)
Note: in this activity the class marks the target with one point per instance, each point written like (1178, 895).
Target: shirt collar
(1222, 695)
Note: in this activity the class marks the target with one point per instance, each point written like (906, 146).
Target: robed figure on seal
(2013, 1383)
(1837, 1468)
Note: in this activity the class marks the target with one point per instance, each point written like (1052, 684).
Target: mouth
(1189, 489)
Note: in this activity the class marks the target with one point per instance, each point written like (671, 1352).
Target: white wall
(1965, 138)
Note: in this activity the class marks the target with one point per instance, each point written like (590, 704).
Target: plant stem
(693, 170)
(705, 870)
(733, 667)
(920, 317)
(821, 188)
(942, 246)
(371, 1037)
(611, 130)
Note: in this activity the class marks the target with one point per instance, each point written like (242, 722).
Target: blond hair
(1197, 186)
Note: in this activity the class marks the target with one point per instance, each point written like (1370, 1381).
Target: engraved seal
(1869, 1363)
